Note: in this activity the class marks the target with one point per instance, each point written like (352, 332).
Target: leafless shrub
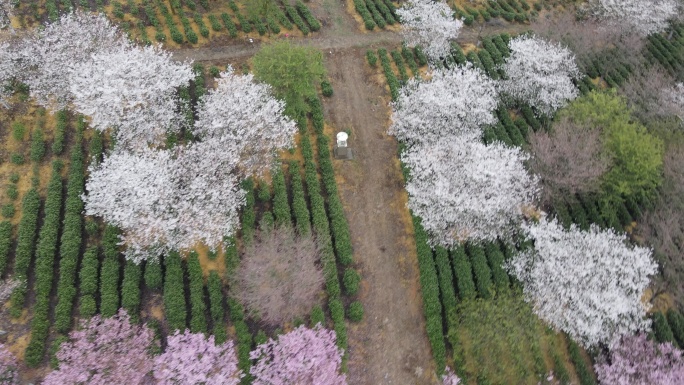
(650, 93)
(567, 160)
(279, 278)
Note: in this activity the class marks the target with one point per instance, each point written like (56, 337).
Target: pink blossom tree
(193, 359)
(634, 360)
(301, 357)
(430, 24)
(450, 378)
(9, 373)
(247, 119)
(104, 351)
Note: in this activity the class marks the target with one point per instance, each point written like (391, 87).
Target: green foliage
(17, 159)
(109, 272)
(306, 14)
(7, 210)
(96, 146)
(499, 339)
(25, 245)
(376, 14)
(214, 287)
(463, 273)
(372, 58)
(496, 259)
(228, 23)
(18, 131)
(351, 280)
(355, 311)
(637, 156)
(661, 329)
(429, 285)
(326, 88)
(60, 128)
(362, 9)
(244, 337)
(446, 278)
(174, 292)
(292, 71)
(299, 208)
(198, 320)
(46, 251)
(299, 22)
(410, 60)
(281, 207)
(583, 370)
(130, 289)
(392, 80)
(88, 283)
(481, 271)
(70, 245)
(676, 322)
(399, 61)
(317, 316)
(5, 243)
(153, 274)
(248, 214)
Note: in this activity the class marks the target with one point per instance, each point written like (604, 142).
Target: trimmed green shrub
(228, 23)
(326, 88)
(88, 283)
(8, 210)
(306, 14)
(198, 320)
(351, 280)
(481, 271)
(281, 207)
(130, 289)
(420, 55)
(109, 272)
(661, 329)
(299, 22)
(317, 316)
(215, 289)
(377, 17)
(399, 61)
(60, 128)
(362, 9)
(676, 322)
(17, 159)
(153, 274)
(463, 273)
(5, 243)
(372, 58)
(392, 80)
(446, 278)
(25, 245)
(583, 370)
(410, 60)
(496, 259)
(299, 208)
(355, 311)
(248, 215)
(18, 131)
(174, 292)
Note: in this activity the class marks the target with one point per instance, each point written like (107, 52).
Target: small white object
(342, 139)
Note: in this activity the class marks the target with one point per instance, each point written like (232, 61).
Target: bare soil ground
(390, 345)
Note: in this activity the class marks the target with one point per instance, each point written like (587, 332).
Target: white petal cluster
(133, 90)
(586, 283)
(455, 102)
(430, 24)
(540, 73)
(245, 117)
(468, 190)
(645, 17)
(5, 14)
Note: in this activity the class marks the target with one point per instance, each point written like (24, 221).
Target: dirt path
(390, 346)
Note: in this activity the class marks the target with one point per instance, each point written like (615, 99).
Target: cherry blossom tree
(586, 283)
(133, 90)
(634, 360)
(673, 99)
(167, 199)
(54, 55)
(11, 69)
(5, 14)
(104, 351)
(646, 17)
(540, 73)
(454, 103)
(193, 359)
(9, 373)
(247, 119)
(430, 24)
(303, 357)
(467, 190)
(450, 378)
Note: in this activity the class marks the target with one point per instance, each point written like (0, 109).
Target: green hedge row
(259, 25)
(583, 370)
(130, 289)
(153, 274)
(676, 322)
(299, 208)
(496, 259)
(481, 271)
(198, 307)
(446, 278)
(410, 60)
(661, 329)
(457, 54)
(488, 64)
(392, 80)
(46, 251)
(25, 245)
(360, 6)
(497, 56)
(299, 22)
(204, 31)
(244, 337)
(5, 244)
(511, 129)
(463, 272)
(228, 23)
(214, 287)
(306, 14)
(421, 58)
(174, 292)
(109, 272)
(60, 128)
(72, 237)
(281, 207)
(377, 17)
(387, 12)
(248, 214)
(530, 117)
(399, 61)
(432, 307)
(88, 283)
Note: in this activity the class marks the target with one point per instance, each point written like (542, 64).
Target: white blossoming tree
(132, 90)
(586, 283)
(53, 54)
(645, 17)
(673, 100)
(454, 103)
(467, 190)
(540, 73)
(247, 119)
(10, 69)
(431, 24)
(5, 14)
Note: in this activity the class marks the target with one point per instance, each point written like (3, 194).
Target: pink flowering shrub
(104, 351)
(450, 378)
(191, 358)
(9, 374)
(301, 357)
(634, 360)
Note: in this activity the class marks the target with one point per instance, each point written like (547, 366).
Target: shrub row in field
(496, 259)
(228, 23)
(248, 215)
(463, 273)
(109, 272)
(214, 287)
(661, 329)
(362, 9)
(432, 306)
(481, 271)
(392, 80)
(584, 372)
(130, 289)
(299, 208)
(410, 60)
(281, 207)
(399, 61)
(375, 13)
(5, 244)
(153, 274)
(70, 246)
(46, 251)
(198, 307)
(25, 245)
(244, 24)
(446, 278)
(174, 292)
(60, 128)
(306, 14)
(88, 283)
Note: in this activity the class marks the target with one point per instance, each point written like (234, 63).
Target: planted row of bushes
(214, 287)
(583, 370)
(244, 24)
(130, 289)
(299, 22)
(5, 244)
(25, 245)
(228, 23)
(377, 17)
(281, 207)
(362, 9)
(60, 128)
(46, 251)
(153, 274)
(481, 271)
(248, 215)
(301, 211)
(392, 80)
(72, 234)
(463, 273)
(174, 292)
(306, 14)
(399, 61)
(198, 320)
(88, 283)
(446, 278)
(109, 272)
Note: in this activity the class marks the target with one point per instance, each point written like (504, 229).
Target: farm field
(172, 187)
